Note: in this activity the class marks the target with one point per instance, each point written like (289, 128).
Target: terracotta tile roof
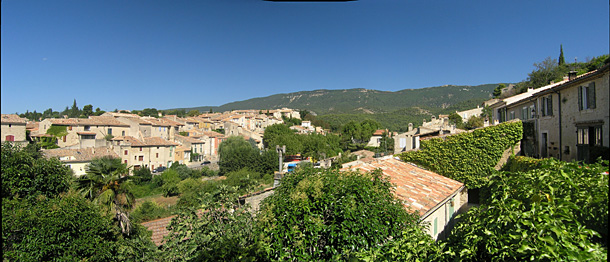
(419, 189)
(129, 140)
(91, 121)
(85, 133)
(102, 121)
(189, 139)
(213, 134)
(364, 153)
(158, 141)
(182, 148)
(32, 125)
(156, 121)
(379, 132)
(158, 228)
(79, 155)
(138, 120)
(12, 119)
(171, 122)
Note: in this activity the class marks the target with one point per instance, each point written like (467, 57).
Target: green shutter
(435, 226)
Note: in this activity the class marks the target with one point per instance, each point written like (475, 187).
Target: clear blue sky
(169, 54)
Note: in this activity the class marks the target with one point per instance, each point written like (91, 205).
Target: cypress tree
(561, 58)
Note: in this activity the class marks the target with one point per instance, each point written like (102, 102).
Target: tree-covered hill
(355, 101)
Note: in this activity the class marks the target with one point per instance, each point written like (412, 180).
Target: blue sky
(169, 54)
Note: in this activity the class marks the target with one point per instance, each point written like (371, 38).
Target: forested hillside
(353, 101)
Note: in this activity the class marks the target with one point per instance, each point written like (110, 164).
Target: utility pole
(278, 175)
(281, 151)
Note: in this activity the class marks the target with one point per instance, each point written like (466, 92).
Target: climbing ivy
(467, 157)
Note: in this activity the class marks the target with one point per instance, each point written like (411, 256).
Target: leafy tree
(99, 112)
(498, 90)
(561, 59)
(326, 215)
(487, 112)
(223, 233)
(149, 112)
(236, 153)
(26, 174)
(141, 176)
(456, 119)
(474, 122)
(193, 112)
(105, 182)
(87, 110)
(63, 228)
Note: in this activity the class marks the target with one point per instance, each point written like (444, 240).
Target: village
(567, 120)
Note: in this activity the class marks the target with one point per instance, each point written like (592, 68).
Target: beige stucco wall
(149, 156)
(16, 130)
(571, 113)
(445, 216)
(79, 169)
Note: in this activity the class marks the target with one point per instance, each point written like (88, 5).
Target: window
(69, 128)
(586, 97)
(123, 133)
(546, 106)
(532, 111)
(589, 135)
(10, 138)
(140, 158)
(157, 155)
(87, 128)
(64, 138)
(110, 131)
(126, 152)
(403, 142)
(125, 161)
(140, 149)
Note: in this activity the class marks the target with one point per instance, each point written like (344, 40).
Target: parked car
(159, 169)
(205, 163)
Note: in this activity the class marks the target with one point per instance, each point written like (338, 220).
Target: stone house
(13, 128)
(567, 120)
(434, 198)
(574, 117)
(196, 146)
(79, 159)
(86, 132)
(150, 152)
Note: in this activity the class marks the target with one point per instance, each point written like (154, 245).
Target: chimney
(572, 75)
(410, 127)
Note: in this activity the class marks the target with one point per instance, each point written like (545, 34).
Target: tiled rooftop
(12, 119)
(419, 189)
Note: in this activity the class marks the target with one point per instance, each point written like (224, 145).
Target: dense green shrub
(467, 157)
(149, 210)
(26, 174)
(142, 176)
(244, 180)
(558, 212)
(65, 228)
(521, 164)
(321, 214)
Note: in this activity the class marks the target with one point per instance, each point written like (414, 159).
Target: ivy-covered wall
(468, 157)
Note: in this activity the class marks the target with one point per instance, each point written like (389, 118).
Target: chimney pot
(572, 75)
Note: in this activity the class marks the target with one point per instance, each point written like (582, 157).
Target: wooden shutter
(591, 95)
(580, 98)
(549, 105)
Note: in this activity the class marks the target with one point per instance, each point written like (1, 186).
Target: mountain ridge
(371, 101)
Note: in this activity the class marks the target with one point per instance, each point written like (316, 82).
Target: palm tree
(104, 183)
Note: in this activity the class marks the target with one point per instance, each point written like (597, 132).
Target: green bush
(521, 164)
(26, 174)
(244, 180)
(64, 228)
(321, 214)
(149, 210)
(142, 176)
(558, 212)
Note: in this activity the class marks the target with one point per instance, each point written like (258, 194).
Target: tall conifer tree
(562, 60)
